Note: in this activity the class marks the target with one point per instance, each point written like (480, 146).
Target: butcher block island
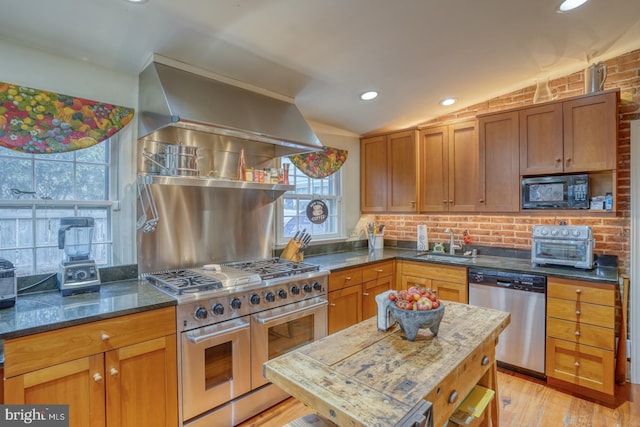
(362, 376)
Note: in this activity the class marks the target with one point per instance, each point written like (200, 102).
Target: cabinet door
(541, 139)
(463, 167)
(499, 163)
(142, 384)
(373, 174)
(451, 291)
(434, 169)
(78, 383)
(369, 292)
(590, 133)
(402, 157)
(406, 281)
(345, 308)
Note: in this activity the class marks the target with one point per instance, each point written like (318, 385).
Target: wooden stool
(311, 420)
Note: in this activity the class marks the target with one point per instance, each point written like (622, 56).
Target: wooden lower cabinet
(352, 293)
(133, 384)
(449, 282)
(580, 345)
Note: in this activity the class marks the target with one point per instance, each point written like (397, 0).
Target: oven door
(216, 365)
(277, 331)
(573, 253)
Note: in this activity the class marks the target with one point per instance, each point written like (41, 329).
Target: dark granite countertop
(342, 260)
(45, 311)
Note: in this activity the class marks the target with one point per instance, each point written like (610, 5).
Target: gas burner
(272, 268)
(180, 282)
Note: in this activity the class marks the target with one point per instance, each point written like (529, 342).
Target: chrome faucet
(452, 249)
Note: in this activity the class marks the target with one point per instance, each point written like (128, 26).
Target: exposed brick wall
(612, 234)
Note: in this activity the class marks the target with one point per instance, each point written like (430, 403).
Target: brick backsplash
(612, 234)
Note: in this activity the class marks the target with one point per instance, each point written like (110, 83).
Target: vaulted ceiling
(325, 53)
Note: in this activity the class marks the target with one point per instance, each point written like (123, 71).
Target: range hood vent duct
(171, 98)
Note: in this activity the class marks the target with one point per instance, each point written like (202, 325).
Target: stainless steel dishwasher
(521, 346)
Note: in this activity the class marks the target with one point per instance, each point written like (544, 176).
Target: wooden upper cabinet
(373, 174)
(434, 169)
(541, 140)
(578, 135)
(498, 165)
(388, 173)
(590, 133)
(449, 168)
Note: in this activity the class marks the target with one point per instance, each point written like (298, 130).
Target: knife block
(292, 251)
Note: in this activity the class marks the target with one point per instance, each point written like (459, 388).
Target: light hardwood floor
(524, 402)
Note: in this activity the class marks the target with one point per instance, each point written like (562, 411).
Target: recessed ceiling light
(136, 1)
(568, 5)
(368, 96)
(448, 101)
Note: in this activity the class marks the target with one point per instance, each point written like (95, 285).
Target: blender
(77, 272)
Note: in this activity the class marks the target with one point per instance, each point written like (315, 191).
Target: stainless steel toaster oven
(566, 245)
(8, 287)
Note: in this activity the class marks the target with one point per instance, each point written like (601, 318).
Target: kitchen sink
(461, 259)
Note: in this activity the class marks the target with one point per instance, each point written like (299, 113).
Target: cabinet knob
(577, 312)
(332, 305)
(485, 360)
(105, 337)
(379, 270)
(577, 333)
(413, 204)
(578, 291)
(347, 278)
(568, 159)
(97, 377)
(577, 364)
(366, 294)
(558, 160)
(113, 372)
(453, 396)
(481, 200)
(445, 201)
(451, 201)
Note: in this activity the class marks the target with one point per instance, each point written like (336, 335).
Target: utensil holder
(292, 252)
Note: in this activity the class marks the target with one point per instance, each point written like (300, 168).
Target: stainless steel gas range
(233, 317)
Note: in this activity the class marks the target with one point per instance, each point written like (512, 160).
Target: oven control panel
(230, 305)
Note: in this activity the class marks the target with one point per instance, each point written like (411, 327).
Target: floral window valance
(41, 122)
(320, 164)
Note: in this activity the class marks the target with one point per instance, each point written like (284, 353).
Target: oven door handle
(201, 338)
(263, 320)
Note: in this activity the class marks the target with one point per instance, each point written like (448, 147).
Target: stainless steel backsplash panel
(206, 225)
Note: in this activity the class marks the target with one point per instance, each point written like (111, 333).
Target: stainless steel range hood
(172, 100)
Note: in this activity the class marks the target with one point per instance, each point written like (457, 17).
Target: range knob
(200, 313)
(218, 309)
(270, 297)
(554, 232)
(307, 288)
(282, 294)
(576, 233)
(295, 290)
(235, 303)
(565, 232)
(254, 299)
(317, 286)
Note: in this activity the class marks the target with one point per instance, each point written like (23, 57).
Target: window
(37, 190)
(292, 206)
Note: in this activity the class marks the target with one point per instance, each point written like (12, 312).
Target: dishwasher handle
(503, 284)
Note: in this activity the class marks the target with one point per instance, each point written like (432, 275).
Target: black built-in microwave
(556, 192)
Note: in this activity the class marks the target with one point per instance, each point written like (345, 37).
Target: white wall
(40, 70)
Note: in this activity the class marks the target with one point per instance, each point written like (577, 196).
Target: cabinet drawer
(451, 391)
(580, 364)
(581, 312)
(344, 278)
(445, 273)
(595, 336)
(37, 351)
(594, 293)
(376, 271)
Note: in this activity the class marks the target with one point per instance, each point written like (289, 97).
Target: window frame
(281, 239)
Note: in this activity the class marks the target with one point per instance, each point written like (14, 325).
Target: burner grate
(181, 282)
(274, 267)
